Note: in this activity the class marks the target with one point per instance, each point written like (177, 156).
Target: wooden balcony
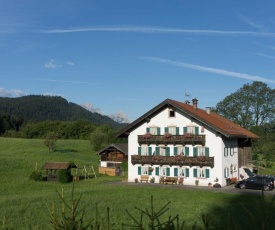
(173, 160)
(172, 139)
(116, 159)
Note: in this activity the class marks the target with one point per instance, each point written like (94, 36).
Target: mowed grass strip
(27, 204)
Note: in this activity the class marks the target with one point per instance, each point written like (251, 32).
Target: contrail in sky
(209, 69)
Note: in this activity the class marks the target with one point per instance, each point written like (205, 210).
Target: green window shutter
(139, 151)
(167, 151)
(177, 131)
(148, 130)
(150, 172)
(150, 151)
(157, 171)
(157, 151)
(175, 151)
(184, 130)
(166, 129)
(195, 172)
(186, 151)
(168, 171)
(207, 151)
(196, 130)
(175, 171)
(187, 172)
(139, 170)
(195, 151)
(224, 173)
(158, 130)
(207, 173)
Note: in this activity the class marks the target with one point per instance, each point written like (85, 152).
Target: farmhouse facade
(179, 140)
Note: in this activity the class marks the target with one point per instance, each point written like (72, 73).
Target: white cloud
(91, 108)
(137, 29)
(51, 65)
(54, 80)
(70, 63)
(120, 117)
(10, 93)
(209, 69)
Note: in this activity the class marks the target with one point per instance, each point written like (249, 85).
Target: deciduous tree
(252, 105)
(50, 140)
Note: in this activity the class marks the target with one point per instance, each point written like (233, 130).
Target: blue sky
(125, 57)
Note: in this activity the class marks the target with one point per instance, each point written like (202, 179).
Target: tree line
(252, 107)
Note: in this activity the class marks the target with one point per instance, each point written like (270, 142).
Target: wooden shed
(111, 158)
(53, 167)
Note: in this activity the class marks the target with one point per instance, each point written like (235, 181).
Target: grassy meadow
(26, 204)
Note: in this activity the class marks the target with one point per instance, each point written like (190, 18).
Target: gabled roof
(122, 147)
(58, 165)
(212, 119)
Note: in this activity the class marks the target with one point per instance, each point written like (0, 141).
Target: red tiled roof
(212, 119)
(217, 122)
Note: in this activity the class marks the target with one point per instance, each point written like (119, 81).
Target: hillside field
(26, 204)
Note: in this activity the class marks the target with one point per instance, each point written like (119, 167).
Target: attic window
(171, 113)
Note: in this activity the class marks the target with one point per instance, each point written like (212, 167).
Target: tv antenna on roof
(186, 95)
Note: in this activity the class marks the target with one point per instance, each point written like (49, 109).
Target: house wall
(214, 142)
(230, 158)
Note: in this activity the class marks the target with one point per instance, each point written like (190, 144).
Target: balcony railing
(173, 160)
(172, 139)
(117, 159)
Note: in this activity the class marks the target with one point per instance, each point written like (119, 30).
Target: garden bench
(144, 178)
(172, 180)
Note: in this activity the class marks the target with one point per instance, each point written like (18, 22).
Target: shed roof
(122, 147)
(58, 165)
(211, 119)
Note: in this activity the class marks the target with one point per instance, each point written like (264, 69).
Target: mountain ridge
(39, 108)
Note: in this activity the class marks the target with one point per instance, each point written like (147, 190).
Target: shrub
(36, 176)
(64, 176)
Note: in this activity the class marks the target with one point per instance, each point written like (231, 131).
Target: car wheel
(266, 188)
(242, 186)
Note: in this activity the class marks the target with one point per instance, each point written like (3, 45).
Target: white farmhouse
(179, 140)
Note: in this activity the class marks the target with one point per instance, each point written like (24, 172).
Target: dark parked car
(256, 182)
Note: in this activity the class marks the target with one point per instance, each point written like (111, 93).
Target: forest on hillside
(37, 116)
(37, 108)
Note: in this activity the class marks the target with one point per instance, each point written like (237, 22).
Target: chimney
(187, 102)
(195, 103)
(208, 110)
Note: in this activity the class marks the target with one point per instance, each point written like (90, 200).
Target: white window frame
(162, 171)
(235, 168)
(162, 151)
(144, 170)
(225, 152)
(180, 150)
(172, 129)
(201, 172)
(182, 171)
(226, 172)
(153, 130)
(191, 129)
(144, 150)
(201, 150)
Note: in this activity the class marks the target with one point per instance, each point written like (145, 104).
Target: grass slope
(26, 204)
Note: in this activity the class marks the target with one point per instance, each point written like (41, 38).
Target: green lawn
(26, 204)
